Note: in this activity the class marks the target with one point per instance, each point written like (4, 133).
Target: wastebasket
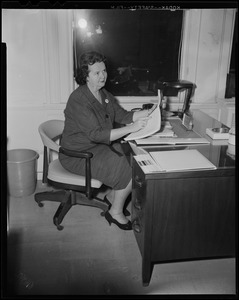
(21, 172)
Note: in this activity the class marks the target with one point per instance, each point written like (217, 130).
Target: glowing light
(82, 23)
(89, 34)
(99, 30)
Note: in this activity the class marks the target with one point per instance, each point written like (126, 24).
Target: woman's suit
(87, 128)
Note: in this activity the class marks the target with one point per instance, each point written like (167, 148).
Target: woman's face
(97, 75)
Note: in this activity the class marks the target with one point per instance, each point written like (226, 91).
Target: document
(181, 160)
(153, 125)
(147, 164)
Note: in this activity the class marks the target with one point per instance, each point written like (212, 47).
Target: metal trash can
(21, 172)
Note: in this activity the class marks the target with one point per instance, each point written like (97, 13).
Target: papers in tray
(153, 125)
(181, 160)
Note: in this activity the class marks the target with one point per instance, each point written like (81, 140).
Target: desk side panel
(193, 218)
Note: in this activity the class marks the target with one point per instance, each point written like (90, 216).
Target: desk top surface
(219, 152)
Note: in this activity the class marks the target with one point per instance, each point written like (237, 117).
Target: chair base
(67, 199)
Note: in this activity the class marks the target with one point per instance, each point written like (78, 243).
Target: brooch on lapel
(106, 101)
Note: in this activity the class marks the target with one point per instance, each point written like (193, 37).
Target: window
(231, 77)
(142, 47)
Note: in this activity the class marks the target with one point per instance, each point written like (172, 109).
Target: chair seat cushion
(58, 174)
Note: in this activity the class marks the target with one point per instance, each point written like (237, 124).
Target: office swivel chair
(75, 189)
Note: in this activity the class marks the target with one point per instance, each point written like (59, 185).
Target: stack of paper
(164, 132)
(156, 140)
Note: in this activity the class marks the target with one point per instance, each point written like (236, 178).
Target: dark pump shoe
(126, 212)
(110, 219)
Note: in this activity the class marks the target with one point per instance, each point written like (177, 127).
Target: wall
(40, 73)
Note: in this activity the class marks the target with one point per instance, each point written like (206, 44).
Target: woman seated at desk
(90, 114)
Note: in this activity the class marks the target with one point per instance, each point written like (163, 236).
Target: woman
(90, 114)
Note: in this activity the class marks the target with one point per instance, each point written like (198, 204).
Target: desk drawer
(139, 188)
(140, 206)
(139, 194)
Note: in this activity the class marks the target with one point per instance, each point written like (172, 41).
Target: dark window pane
(142, 46)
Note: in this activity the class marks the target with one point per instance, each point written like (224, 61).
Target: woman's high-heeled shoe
(110, 219)
(126, 212)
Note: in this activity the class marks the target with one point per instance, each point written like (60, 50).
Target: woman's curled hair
(86, 59)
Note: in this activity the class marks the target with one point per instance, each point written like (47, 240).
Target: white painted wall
(40, 72)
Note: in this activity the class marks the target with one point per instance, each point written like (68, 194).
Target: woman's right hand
(139, 124)
(118, 133)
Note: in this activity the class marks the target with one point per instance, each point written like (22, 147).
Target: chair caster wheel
(40, 204)
(145, 284)
(59, 227)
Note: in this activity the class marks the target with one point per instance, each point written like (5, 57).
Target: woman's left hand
(143, 113)
(152, 109)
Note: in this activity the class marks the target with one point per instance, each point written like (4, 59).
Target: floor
(89, 257)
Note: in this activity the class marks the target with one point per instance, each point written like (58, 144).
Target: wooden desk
(185, 215)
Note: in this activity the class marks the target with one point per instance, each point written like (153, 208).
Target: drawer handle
(136, 226)
(137, 204)
(138, 181)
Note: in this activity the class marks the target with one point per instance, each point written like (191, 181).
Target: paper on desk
(153, 125)
(181, 160)
(164, 132)
(156, 140)
(147, 164)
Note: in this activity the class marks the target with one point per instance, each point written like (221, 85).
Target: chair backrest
(50, 130)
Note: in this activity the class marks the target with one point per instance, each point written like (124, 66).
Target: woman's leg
(120, 197)
(111, 195)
